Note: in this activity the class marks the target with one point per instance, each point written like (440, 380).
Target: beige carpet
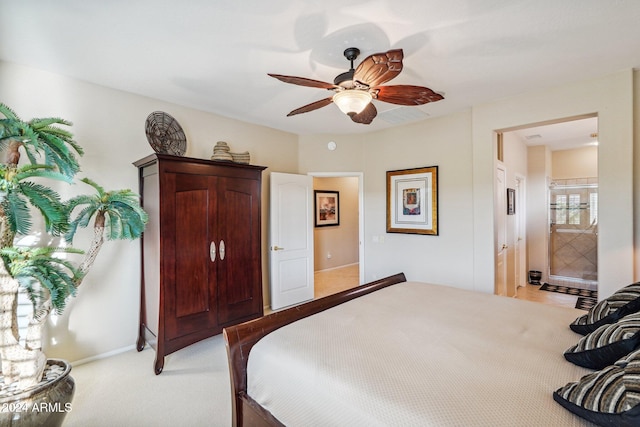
(122, 390)
(193, 390)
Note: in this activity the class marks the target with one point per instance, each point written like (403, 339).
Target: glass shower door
(573, 240)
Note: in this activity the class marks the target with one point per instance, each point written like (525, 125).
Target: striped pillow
(625, 301)
(607, 397)
(606, 344)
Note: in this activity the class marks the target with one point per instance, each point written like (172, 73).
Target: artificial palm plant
(45, 273)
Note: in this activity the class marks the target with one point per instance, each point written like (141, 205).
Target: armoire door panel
(192, 248)
(188, 245)
(239, 219)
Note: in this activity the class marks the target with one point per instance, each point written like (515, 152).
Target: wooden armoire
(201, 250)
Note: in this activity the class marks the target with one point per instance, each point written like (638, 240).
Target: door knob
(212, 251)
(504, 246)
(277, 248)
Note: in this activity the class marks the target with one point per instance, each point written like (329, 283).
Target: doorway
(558, 161)
(501, 230)
(520, 233)
(337, 249)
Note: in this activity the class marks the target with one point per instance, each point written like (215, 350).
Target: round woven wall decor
(165, 134)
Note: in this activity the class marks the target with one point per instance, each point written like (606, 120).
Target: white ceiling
(562, 136)
(214, 55)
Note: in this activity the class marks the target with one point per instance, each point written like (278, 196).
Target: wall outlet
(328, 255)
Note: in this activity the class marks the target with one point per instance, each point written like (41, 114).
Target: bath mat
(570, 290)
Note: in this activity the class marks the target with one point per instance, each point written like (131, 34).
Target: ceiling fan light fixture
(352, 102)
(355, 89)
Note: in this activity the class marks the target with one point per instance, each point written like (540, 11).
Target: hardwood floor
(328, 282)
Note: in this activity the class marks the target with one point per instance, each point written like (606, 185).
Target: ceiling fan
(356, 88)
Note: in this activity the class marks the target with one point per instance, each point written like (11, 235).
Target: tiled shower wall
(574, 230)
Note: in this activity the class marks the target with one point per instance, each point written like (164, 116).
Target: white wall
(110, 126)
(539, 167)
(444, 142)
(611, 98)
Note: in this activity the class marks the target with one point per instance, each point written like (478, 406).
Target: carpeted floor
(122, 390)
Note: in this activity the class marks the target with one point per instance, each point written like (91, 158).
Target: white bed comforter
(415, 354)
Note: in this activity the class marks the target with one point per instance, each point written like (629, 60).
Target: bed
(393, 352)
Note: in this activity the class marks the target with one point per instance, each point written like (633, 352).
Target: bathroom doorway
(561, 172)
(573, 231)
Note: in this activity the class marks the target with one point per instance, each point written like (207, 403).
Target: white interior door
(501, 231)
(291, 239)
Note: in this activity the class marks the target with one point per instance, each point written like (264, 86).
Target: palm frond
(48, 202)
(40, 137)
(6, 111)
(82, 220)
(132, 219)
(56, 151)
(95, 185)
(26, 134)
(16, 192)
(82, 199)
(124, 218)
(46, 123)
(40, 171)
(41, 265)
(9, 131)
(32, 155)
(17, 213)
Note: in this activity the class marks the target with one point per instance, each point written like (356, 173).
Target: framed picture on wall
(327, 208)
(511, 201)
(412, 201)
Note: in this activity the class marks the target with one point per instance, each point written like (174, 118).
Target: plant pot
(45, 404)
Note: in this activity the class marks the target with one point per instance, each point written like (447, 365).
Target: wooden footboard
(240, 339)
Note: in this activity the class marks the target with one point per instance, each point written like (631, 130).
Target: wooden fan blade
(367, 115)
(379, 68)
(407, 95)
(312, 106)
(303, 81)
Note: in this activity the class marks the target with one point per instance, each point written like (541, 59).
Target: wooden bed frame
(241, 338)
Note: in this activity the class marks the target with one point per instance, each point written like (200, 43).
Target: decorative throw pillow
(610, 397)
(622, 303)
(606, 344)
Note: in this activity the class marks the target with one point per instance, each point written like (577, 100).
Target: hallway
(331, 281)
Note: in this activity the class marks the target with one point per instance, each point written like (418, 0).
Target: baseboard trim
(103, 355)
(336, 268)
